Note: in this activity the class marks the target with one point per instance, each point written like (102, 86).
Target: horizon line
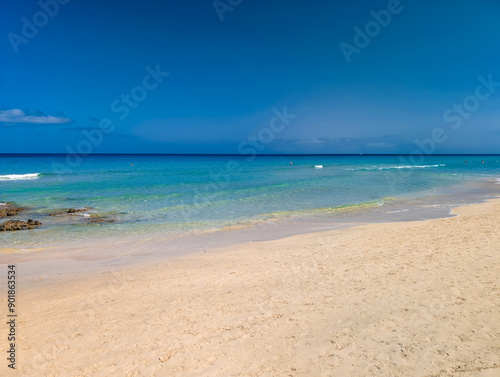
(246, 155)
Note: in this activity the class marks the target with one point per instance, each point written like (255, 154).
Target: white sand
(402, 299)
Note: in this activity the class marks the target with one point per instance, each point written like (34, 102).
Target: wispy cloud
(376, 144)
(380, 145)
(18, 116)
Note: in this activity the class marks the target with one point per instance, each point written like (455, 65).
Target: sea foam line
(400, 167)
(18, 177)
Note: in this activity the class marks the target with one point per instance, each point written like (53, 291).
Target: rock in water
(10, 210)
(100, 220)
(70, 211)
(13, 225)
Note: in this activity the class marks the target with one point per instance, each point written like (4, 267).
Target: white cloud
(18, 116)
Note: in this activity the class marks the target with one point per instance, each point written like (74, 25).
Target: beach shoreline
(407, 298)
(176, 196)
(154, 245)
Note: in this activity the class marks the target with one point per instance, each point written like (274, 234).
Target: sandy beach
(250, 189)
(399, 299)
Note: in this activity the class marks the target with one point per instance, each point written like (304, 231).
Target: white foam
(411, 167)
(318, 166)
(402, 210)
(18, 177)
(498, 181)
(400, 167)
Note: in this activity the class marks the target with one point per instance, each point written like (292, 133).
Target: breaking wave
(398, 167)
(18, 177)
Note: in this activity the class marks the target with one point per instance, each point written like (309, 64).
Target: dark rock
(10, 210)
(13, 225)
(70, 211)
(58, 213)
(77, 210)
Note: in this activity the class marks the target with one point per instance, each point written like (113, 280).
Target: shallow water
(179, 195)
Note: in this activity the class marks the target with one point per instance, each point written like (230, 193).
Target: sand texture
(400, 299)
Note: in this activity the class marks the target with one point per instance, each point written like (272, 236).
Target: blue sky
(59, 80)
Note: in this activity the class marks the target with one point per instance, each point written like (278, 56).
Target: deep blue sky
(226, 77)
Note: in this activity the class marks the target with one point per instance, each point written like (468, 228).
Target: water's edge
(127, 250)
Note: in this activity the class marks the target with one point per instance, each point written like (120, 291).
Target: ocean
(182, 195)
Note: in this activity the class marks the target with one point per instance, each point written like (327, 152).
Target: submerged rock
(77, 210)
(92, 217)
(98, 220)
(13, 225)
(70, 211)
(10, 210)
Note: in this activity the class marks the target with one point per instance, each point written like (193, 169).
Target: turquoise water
(178, 194)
